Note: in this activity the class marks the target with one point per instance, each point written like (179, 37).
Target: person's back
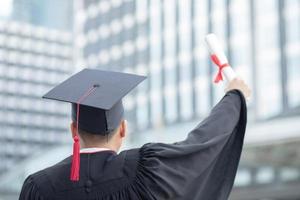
(102, 174)
(203, 166)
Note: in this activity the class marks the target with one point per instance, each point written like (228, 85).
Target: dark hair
(101, 136)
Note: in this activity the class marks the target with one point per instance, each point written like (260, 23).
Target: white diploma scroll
(216, 49)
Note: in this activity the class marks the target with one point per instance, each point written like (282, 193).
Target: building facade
(32, 60)
(55, 14)
(165, 41)
(35, 54)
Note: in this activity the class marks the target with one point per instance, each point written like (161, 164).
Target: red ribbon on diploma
(216, 60)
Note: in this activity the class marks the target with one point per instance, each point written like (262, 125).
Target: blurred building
(32, 60)
(34, 56)
(55, 14)
(163, 39)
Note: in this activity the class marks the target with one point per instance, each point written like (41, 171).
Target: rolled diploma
(215, 48)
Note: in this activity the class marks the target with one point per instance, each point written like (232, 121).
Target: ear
(73, 129)
(123, 128)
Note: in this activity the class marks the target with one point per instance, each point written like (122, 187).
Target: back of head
(97, 121)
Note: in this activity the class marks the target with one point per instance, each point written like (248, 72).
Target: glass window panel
(293, 81)
(142, 111)
(265, 175)
(184, 34)
(268, 59)
(155, 61)
(171, 105)
(170, 60)
(200, 53)
(292, 17)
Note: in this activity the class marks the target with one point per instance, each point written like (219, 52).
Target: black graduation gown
(203, 166)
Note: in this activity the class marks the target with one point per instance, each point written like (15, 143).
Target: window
(142, 111)
(184, 58)
(202, 79)
(155, 62)
(268, 59)
(292, 17)
(170, 60)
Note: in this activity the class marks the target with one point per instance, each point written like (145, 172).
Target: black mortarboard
(102, 110)
(96, 98)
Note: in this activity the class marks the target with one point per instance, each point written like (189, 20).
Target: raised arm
(203, 166)
(222, 120)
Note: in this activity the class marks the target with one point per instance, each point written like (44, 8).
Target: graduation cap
(96, 98)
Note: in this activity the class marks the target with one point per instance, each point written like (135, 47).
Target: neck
(104, 146)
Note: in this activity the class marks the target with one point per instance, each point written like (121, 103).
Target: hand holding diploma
(239, 84)
(219, 58)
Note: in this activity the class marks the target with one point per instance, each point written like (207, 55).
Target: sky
(5, 8)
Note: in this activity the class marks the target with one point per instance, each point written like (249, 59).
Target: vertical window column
(169, 62)
(268, 73)
(291, 14)
(155, 62)
(142, 66)
(184, 59)
(202, 79)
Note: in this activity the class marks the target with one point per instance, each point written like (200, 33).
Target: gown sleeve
(30, 191)
(204, 165)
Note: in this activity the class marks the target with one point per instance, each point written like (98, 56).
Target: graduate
(203, 166)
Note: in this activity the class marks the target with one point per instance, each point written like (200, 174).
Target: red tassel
(75, 168)
(216, 60)
(75, 160)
